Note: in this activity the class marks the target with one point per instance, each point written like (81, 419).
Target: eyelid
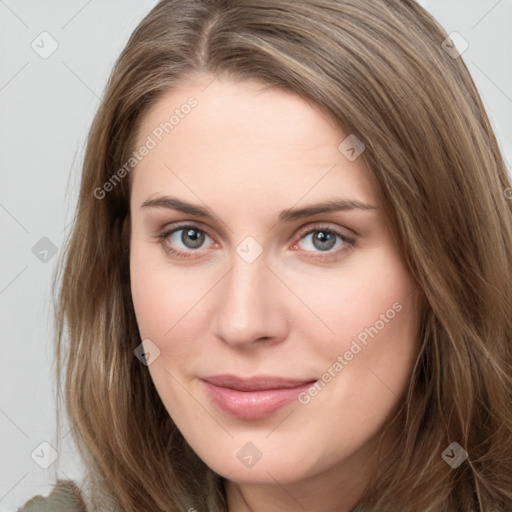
(312, 226)
(172, 228)
(324, 226)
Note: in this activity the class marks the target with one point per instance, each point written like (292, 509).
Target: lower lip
(251, 405)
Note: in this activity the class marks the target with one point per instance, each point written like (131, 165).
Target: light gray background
(46, 107)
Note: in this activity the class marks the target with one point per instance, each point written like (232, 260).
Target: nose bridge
(245, 309)
(244, 289)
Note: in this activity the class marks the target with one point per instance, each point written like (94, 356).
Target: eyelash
(162, 239)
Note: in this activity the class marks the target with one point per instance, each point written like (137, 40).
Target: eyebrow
(288, 215)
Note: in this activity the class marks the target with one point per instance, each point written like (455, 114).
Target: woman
(288, 285)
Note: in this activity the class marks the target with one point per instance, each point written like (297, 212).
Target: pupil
(326, 240)
(196, 237)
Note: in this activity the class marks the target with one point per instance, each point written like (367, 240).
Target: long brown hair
(381, 70)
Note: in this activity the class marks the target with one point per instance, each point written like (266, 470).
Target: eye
(323, 239)
(183, 241)
(187, 239)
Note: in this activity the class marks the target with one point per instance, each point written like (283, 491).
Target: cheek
(372, 296)
(169, 302)
(155, 296)
(150, 302)
(367, 364)
(378, 344)
(374, 312)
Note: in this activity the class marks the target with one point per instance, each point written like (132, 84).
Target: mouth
(255, 397)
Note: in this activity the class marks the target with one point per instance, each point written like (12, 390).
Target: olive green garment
(65, 497)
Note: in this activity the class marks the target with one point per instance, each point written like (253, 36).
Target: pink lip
(255, 397)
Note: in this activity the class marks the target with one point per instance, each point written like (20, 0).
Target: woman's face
(281, 325)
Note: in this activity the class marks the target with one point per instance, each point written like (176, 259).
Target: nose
(250, 306)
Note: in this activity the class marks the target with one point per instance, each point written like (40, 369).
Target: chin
(273, 465)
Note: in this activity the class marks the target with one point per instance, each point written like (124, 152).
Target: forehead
(237, 137)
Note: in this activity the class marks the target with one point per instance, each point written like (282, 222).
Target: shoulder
(65, 497)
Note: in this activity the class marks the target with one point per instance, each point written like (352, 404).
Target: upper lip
(256, 383)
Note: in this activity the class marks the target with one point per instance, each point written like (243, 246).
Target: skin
(248, 151)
